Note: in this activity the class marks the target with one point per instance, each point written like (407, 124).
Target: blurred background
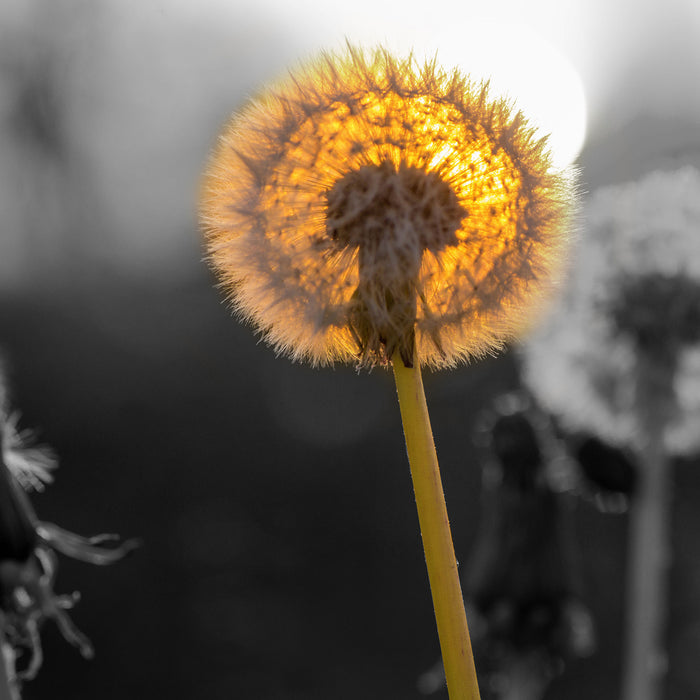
(281, 556)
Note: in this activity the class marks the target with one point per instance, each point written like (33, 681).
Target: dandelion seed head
(629, 313)
(367, 205)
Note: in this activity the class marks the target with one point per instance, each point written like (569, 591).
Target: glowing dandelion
(620, 357)
(364, 201)
(367, 210)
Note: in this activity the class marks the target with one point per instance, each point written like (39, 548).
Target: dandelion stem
(440, 559)
(7, 690)
(648, 565)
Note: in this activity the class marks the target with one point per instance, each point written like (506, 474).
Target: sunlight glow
(523, 67)
(514, 55)
(369, 204)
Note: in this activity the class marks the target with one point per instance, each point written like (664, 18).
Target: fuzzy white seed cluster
(368, 205)
(629, 316)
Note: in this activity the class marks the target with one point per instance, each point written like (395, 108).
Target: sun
(537, 76)
(519, 64)
(516, 58)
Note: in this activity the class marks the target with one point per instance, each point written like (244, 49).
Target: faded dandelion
(373, 211)
(620, 357)
(629, 315)
(367, 201)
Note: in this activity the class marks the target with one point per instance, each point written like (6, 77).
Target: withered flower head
(367, 206)
(28, 561)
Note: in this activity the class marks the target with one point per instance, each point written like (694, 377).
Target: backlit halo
(459, 271)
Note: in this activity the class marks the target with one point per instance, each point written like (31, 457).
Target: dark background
(281, 556)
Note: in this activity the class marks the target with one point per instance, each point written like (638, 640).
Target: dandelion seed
(367, 205)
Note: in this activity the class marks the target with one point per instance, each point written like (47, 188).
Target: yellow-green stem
(450, 615)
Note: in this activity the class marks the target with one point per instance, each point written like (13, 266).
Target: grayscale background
(281, 556)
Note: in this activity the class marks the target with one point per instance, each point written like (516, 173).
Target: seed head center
(382, 207)
(661, 314)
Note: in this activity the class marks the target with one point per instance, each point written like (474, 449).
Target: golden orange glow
(266, 199)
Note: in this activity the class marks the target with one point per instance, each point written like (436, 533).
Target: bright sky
(148, 83)
(637, 54)
(520, 62)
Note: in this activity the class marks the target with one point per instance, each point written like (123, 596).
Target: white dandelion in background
(620, 356)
